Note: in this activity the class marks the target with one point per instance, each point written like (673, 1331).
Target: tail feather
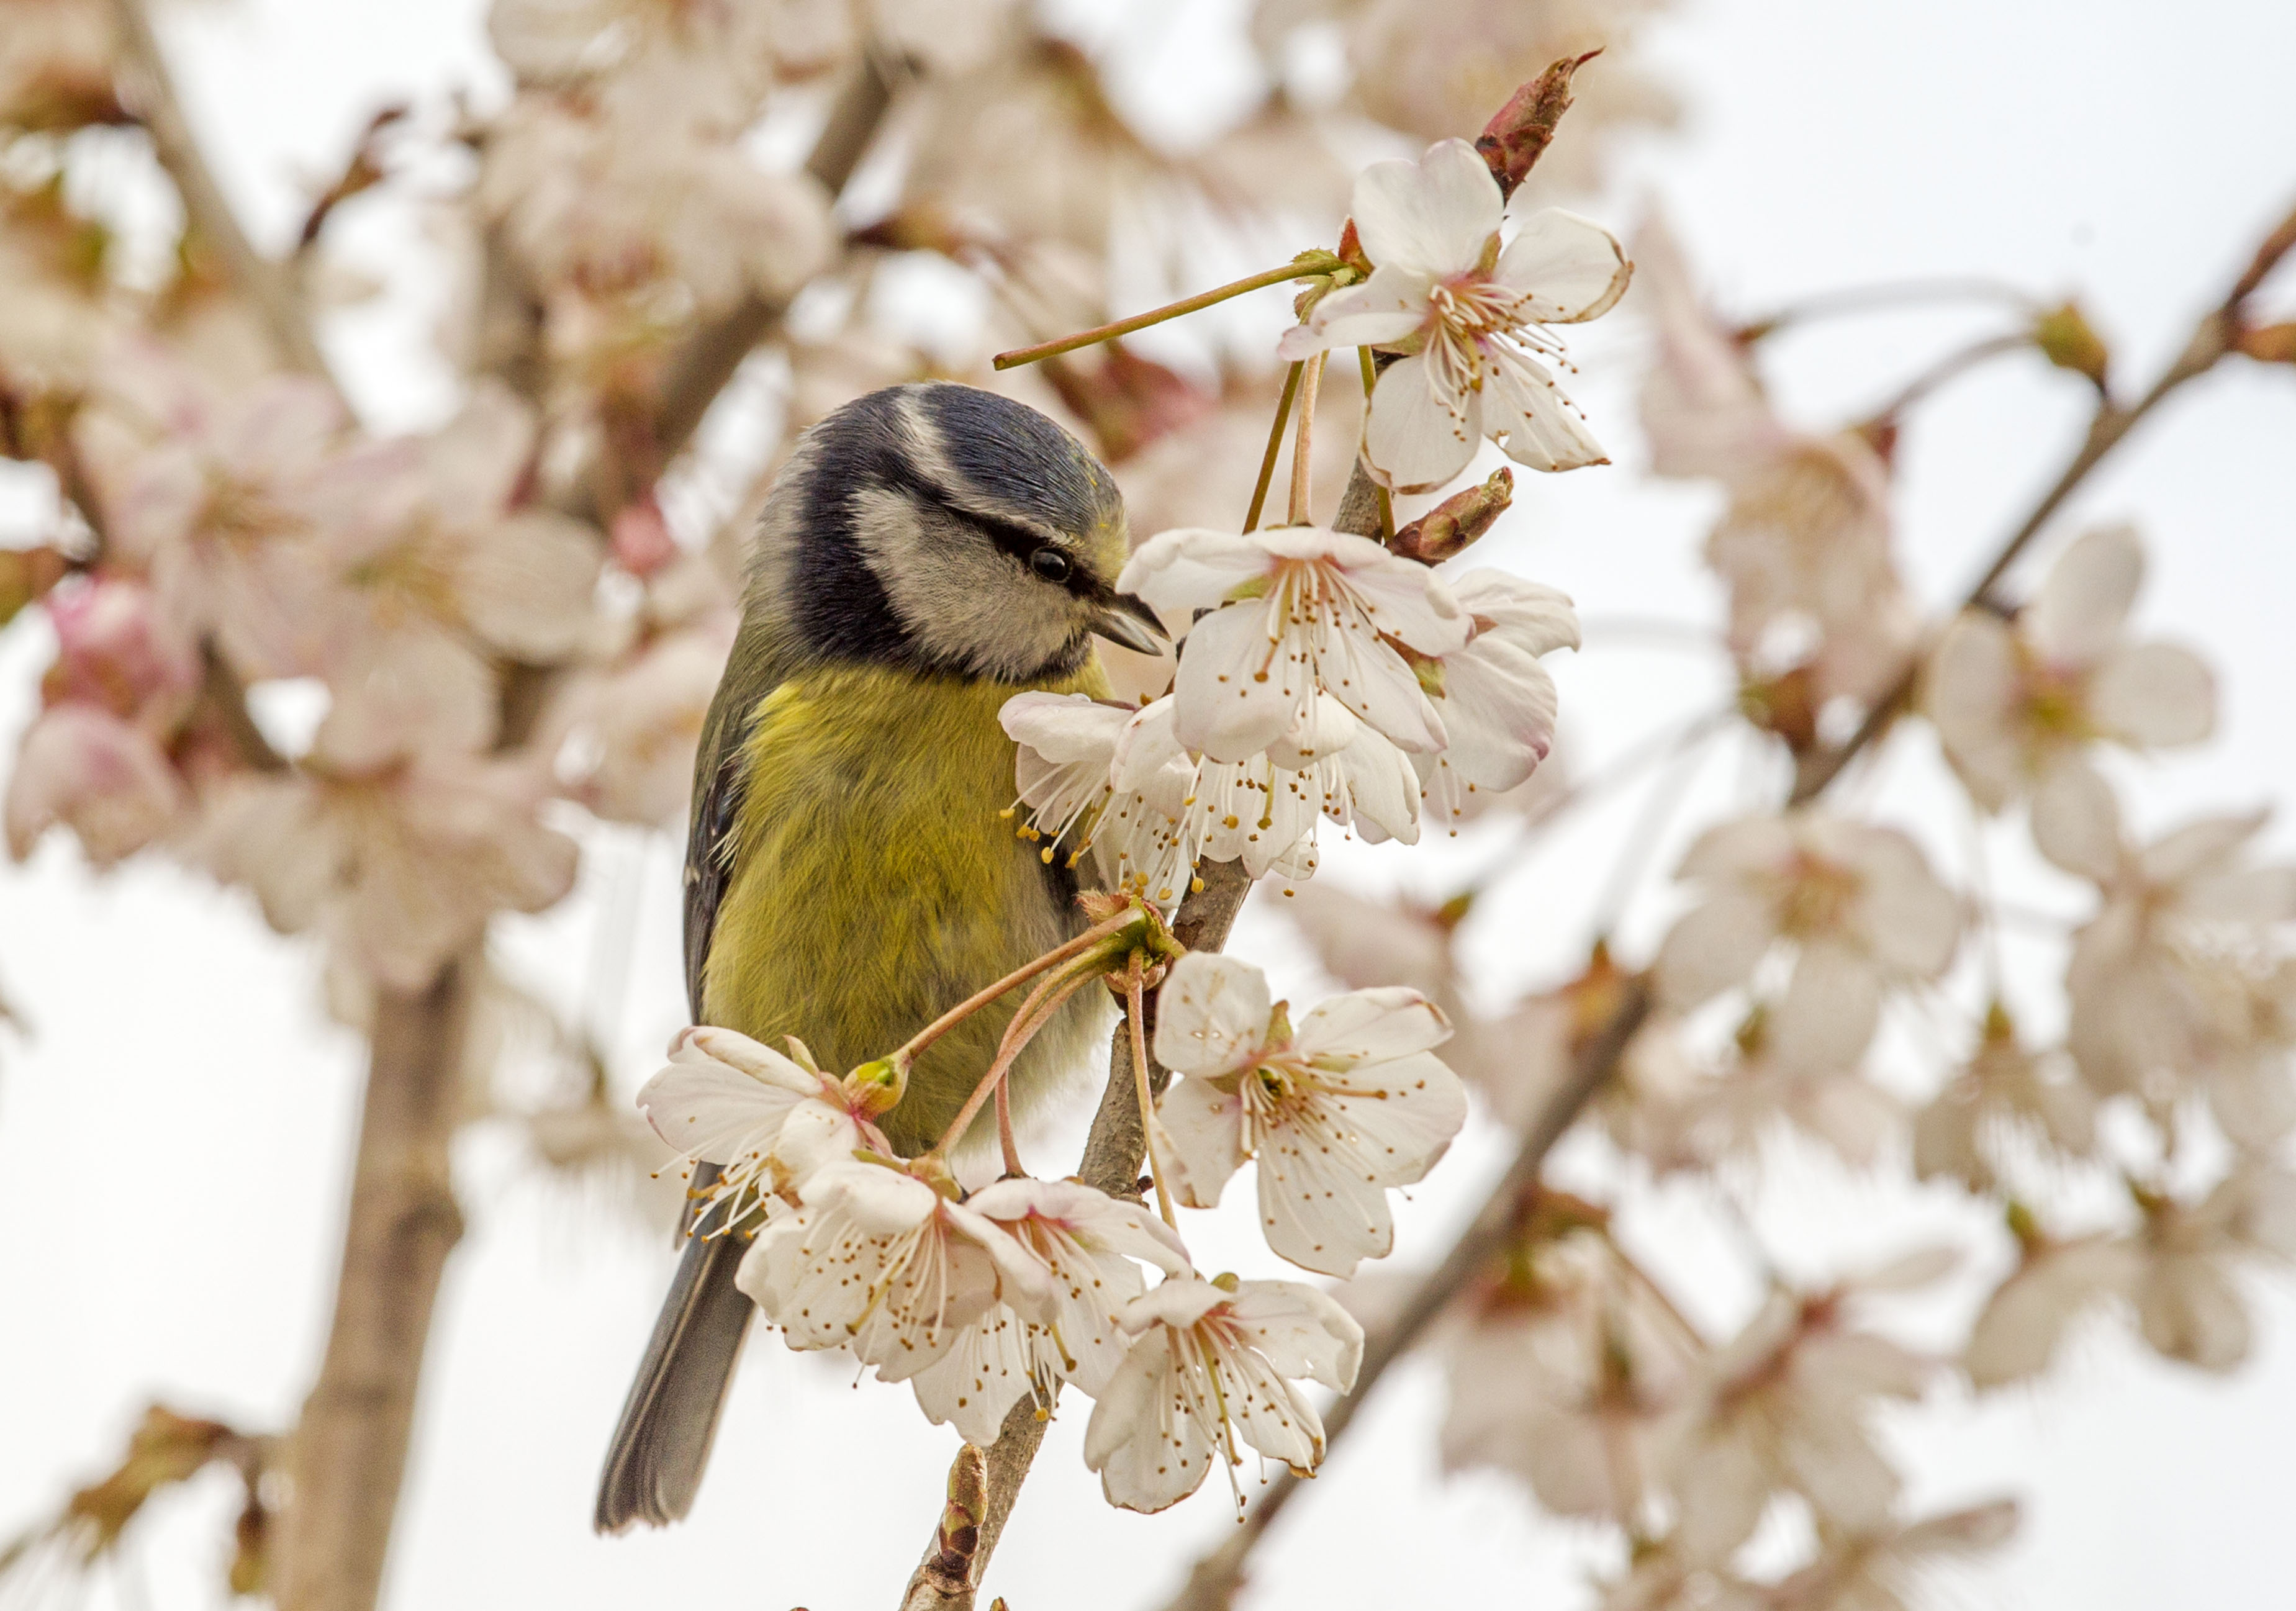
(654, 1464)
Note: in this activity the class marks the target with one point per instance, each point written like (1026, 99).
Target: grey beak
(1131, 622)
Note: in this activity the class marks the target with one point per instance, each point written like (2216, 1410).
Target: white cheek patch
(963, 600)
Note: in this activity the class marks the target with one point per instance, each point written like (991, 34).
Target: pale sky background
(174, 1133)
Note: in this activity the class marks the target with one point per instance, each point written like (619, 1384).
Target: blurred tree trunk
(348, 1456)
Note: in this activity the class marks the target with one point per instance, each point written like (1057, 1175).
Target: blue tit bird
(929, 552)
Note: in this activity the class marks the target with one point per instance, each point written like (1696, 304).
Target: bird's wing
(719, 779)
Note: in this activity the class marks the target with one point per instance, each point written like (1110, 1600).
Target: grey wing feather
(662, 1443)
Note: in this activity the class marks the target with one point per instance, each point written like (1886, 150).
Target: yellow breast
(875, 885)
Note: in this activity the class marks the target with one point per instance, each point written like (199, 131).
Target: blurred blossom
(1884, 1569)
(2015, 703)
(2017, 1334)
(115, 650)
(2004, 1094)
(436, 570)
(1028, 146)
(636, 217)
(632, 729)
(1364, 942)
(102, 777)
(1858, 903)
(1565, 1374)
(721, 56)
(401, 867)
(2156, 979)
(1788, 1404)
(1201, 474)
(1729, 1114)
(1437, 68)
(2189, 1301)
(1471, 317)
(1804, 543)
(203, 490)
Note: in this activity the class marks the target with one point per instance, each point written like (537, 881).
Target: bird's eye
(1050, 564)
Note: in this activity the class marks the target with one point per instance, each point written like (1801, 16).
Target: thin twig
(1889, 294)
(1136, 1010)
(1274, 445)
(2212, 339)
(264, 283)
(1303, 445)
(1951, 367)
(1308, 265)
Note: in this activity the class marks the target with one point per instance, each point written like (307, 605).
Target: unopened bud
(1785, 704)
(2065, 338)
(1456, 522)
(2268, 344)
(1514, 140)
(875, 1086)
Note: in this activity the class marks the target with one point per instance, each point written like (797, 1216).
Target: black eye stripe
(1022, 542)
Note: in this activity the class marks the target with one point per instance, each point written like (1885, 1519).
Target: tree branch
(265, 284)
(348, 1453)
(2215, 335)
(699, 369)
(1212, 1583)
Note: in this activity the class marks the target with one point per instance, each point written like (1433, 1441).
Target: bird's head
(952, 530)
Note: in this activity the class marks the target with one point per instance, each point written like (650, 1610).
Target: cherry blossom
(1351, 1104)
(2024, 1322)
(1882, 1569)
(1496, 700)
(1804, 543)
(402, 866)
(1566, 1373)
(2188, 1302)
(1472, 317)
(878, 1261)
(1857, 902)
(2155, 980)
(435, 572)
(202, 492)
(1212, 1360)
(1727, 1114)
(1087, 1241)
(103, 778)
(631, 729)
(117, 651)
(607, 204)
(1294, 612)
(2003, 1092)
(2015, 702)
(1787, 1405)
(765, 1121)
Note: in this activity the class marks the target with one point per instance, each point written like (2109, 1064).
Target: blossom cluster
(978, 1301)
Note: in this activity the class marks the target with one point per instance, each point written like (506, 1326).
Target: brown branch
(348, 1453)
(1212, 1583)
(1113, 1154)
(697, 371)
(265, 284)
(2216, 334)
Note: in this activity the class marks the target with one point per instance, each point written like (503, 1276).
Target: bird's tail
(654, 1465)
